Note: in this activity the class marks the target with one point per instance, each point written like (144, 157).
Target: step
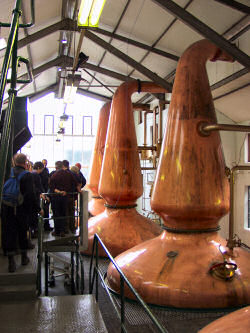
(23, 274)
(17, 292)
(64, 314)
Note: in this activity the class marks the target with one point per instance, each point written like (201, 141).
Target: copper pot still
(235, 322)
(120, 226)
(189, 265)
(96, 204)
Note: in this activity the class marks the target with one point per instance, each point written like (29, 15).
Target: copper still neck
(121, 179)
(96, 205)
(191, 189)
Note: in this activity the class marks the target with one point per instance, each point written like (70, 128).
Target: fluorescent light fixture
(90, 12)
(69, 94)
(3, 43)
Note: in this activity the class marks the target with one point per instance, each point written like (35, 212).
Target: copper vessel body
(96, 205)
(120, 229)
(173, 270)
(121, 179)
(191, 194)
(235, 322)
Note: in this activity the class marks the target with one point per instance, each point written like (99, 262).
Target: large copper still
(96, 205)
(235, 322)
(120, 226)
(188, 265)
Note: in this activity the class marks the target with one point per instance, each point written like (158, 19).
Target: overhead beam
(237, 29)
(42, 93)
(235, 5)
(93, 95)
(68, 61)
(70, 25)
(229, 78)
(111, 49)
(232, 91)
(102, 84)
(204, 30)
(137, 44)
(42, 33)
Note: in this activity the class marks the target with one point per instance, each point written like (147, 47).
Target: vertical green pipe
(11, 45)
(8, 53)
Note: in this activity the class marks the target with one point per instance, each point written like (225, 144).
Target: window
(38, 124)
(139, 117)
(49, 124)
(69, 126)
(87, 125)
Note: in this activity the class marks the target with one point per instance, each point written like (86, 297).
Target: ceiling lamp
(90, 12)
(72, 84)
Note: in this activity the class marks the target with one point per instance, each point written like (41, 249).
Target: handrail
(123, 279)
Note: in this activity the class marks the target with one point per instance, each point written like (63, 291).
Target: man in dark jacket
(15, 220)
(45, 202)
(63, 184)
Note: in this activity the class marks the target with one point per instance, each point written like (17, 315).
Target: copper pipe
(96, 205)
(120, 226)
(205, 128)
(231, 242)
(191, 194)
(154, 126)
(160, 123)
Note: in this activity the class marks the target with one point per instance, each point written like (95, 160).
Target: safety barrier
(95, 272)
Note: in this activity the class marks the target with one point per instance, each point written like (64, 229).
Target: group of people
(39, 189)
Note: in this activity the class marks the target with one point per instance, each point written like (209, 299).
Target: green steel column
(5, 136)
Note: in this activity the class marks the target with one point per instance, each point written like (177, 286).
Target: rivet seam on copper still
(190, 231)
(120, 207)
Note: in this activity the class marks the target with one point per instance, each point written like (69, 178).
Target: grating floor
(137, 321)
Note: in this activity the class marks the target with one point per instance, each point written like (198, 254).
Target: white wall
(234, 153)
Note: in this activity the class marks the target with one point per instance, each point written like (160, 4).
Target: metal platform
(60, 314)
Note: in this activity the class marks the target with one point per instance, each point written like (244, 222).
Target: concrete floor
(59, 314)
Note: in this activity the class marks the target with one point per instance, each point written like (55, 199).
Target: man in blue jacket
(15, 219)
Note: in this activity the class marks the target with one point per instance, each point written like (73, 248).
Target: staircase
(21, 284)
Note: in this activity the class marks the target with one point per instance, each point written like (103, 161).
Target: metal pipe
(145, 126)
(146, 148)
(148, 168)
(160, 123)
(154, 136)
(231, 242)
(205, 128)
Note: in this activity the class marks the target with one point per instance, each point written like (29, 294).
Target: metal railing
(11, 55)
(70, 244)
(95, 272)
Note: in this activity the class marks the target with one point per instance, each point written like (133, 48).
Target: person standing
(83, 180)
(15, 219)
(62, 183)
(45, 201)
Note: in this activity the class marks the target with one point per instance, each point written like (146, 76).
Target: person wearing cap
(83, 180)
